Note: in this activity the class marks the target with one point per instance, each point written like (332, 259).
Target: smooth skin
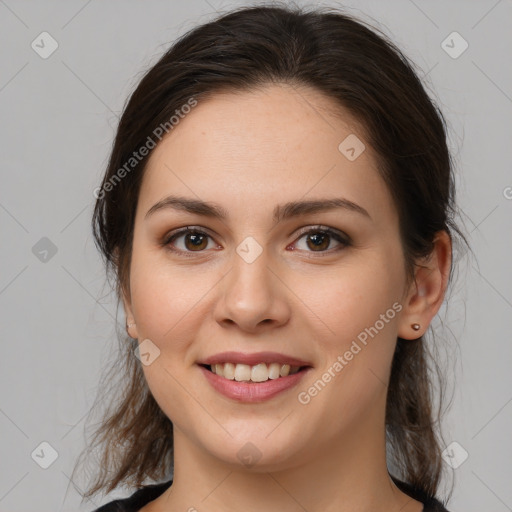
(247, 153)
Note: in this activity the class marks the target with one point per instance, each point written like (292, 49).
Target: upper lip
(253, 359)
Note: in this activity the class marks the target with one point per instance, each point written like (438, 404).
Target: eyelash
(343, 239)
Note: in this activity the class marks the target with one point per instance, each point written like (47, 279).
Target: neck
(349, 474)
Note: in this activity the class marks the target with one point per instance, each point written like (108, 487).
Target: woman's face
(256, 281)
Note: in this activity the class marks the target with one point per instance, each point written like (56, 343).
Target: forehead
(271, 144)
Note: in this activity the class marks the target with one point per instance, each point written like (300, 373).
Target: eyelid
(325, 229)
(188, 227)
(340, 236)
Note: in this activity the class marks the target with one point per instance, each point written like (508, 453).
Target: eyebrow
(281, 212)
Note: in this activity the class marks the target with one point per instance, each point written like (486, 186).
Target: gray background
(57, 316)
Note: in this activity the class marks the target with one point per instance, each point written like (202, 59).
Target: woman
(278, 215)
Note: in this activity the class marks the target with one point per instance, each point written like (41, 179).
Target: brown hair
(364, 72)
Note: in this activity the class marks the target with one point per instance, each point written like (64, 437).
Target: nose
(253, 295)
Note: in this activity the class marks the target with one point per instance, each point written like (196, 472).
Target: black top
(148, 493)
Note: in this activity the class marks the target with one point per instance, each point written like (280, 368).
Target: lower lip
(252, 391)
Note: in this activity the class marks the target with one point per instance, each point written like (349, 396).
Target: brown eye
(193, 240)
(319, 240)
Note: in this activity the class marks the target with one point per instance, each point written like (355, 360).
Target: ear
(127, 305)
(426, 293)
(131, 327)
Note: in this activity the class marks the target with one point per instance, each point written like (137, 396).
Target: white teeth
(257, 373)
(273, 371)
(242, 372)
(228, 370)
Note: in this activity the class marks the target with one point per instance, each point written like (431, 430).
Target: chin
(256, 451)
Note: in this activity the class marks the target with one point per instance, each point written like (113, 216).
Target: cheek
(164, 295)
(165, 305)
(349, 300)
(359, 305)
(360, 312)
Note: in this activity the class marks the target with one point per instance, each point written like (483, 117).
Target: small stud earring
(416, 327)
(128, 325)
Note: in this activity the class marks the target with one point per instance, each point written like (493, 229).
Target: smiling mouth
(258, 373)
